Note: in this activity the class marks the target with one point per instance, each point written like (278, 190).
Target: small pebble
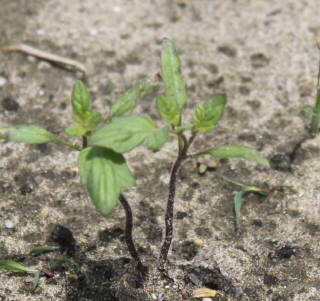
(206, 299)
(44, 65)
(93, 31)
(239, 292)
(2, 81)
(9, 224)
(31, 58)
(199, 242)
(40, 32)
(154, 297)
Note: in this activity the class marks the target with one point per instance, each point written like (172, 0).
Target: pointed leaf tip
(172, 78)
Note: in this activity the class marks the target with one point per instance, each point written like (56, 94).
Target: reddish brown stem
(84, 141)
(128, 235)
(170, 203)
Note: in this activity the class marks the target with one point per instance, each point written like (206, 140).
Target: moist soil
(262, 54)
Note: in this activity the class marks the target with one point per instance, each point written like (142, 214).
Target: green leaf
(246, 188)
(237, 206)
(92, 120)
(35, 281)
(127, 101)
(123, 133)
(27, 133)
(105, 173)
(156, 140)
(202, 168)
(208, 114)
(43, 249)
(172, 78)
(238, 151)
(14, 266)
(168, 109)
(80, 100)
(75, 130)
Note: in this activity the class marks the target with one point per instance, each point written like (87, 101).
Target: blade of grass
(237, 206)
(43, 249)
(11, 265)
(35, 281)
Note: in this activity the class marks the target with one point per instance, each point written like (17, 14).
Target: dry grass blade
(45, 56)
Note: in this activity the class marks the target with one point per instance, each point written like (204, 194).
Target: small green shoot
(204, 163)
(11, 265)
(35, 281)
(315, 110)
(250, 188)
(43, 249)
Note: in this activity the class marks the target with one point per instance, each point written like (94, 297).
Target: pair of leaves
(87, 120)
(170, 106)
(208, 114)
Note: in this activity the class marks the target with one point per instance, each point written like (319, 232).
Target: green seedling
(102, 166)
(247, 189)
(204, 163)
(10, 265)
(315, 110)
(43, 249)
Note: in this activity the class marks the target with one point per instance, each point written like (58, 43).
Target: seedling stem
(183, 148)
(128, 235)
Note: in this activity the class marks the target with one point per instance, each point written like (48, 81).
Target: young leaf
(43, 249)
(27, 133)
(75, 130)
(80, 100)
(237, 206)
(172, 78)
(92, 120)
(35, 281)
(208, 114)
(156, 140)
(14, 266)
(123, 133)
(105, 173)
(127, 101)
(238, 151)
(168, 110)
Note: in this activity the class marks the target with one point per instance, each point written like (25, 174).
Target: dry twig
(45, 56)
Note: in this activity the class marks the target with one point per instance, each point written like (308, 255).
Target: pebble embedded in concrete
(44, 65)
(9, 224)
(2, 81)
